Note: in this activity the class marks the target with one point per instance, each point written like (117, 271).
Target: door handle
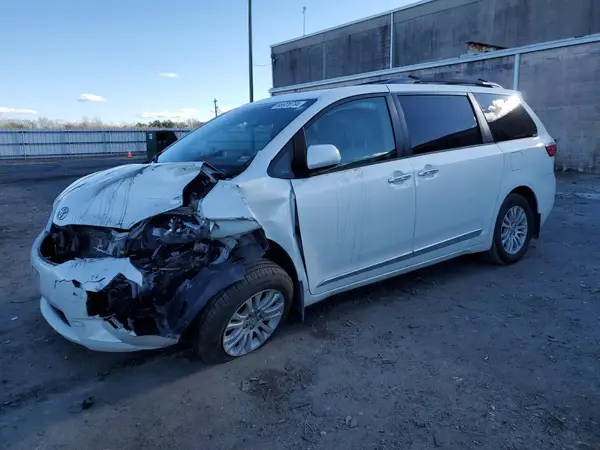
(399, 179)
(427, 172)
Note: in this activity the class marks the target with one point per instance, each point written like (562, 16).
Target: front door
(357, 220)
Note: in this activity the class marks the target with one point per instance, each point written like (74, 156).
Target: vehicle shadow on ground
(129, 376)
(397, 288)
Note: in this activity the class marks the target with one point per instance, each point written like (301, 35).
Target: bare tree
(44, 123)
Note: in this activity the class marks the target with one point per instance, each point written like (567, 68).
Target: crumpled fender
(191, 297)
(226, 207)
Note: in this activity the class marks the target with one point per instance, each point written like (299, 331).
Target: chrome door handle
(399, 179)
(427, 172)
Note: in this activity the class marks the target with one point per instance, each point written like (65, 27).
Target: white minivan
(284, 202)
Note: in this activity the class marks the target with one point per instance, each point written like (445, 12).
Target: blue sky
(56, 50)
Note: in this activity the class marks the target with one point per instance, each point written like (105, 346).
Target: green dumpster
(151, 150)
(157, 141)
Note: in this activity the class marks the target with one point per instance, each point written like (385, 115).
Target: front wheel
(246, 315)
(513, 230)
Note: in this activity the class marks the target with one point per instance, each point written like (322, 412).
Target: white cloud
(6, 111)
(168, 75)
(90, 98)
(183, 114)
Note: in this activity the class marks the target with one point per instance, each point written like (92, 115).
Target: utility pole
(216, 108)
(303, 20)
(250, 65)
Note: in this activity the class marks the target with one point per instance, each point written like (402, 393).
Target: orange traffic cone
(129, 155)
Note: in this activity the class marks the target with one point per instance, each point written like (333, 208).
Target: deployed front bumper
(64, 287)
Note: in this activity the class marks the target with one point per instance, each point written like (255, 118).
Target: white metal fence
(20, 144)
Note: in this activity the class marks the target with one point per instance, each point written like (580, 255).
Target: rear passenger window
(360, 129)
(440, 122)
(506, 116)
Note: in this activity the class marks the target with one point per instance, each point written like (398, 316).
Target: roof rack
(412, 79)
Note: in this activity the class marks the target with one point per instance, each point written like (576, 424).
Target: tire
(498, 254)
(208, 331)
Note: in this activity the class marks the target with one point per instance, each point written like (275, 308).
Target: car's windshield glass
(230, 142)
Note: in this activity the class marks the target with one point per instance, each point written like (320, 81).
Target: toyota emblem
(62, 213)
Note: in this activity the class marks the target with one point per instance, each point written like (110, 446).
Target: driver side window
(360, 129)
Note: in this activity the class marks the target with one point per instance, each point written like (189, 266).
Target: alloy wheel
(253, 323)
(513, 231)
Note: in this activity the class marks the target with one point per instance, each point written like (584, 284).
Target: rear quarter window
(507, 117)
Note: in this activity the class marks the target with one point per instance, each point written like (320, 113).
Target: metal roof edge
(364, 19)
(445, 62)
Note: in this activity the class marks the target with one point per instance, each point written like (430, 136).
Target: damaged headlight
(67, 243)
(142, 241)
(60, 245)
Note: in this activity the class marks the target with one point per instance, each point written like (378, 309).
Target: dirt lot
(457, 356)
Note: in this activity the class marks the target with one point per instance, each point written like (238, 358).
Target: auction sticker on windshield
(289, 105)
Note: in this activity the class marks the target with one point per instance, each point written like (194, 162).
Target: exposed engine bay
(182, 265)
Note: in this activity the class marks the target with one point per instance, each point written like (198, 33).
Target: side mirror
(322, 155)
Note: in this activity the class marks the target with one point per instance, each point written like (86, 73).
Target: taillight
(551, 149)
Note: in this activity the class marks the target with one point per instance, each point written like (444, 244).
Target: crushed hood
(123, 196)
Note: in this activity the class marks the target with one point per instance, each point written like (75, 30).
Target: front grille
(60, 314)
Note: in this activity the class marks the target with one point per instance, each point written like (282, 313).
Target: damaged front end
(181, 261)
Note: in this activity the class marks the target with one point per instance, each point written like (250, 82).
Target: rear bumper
(546, 197)
(63, 302)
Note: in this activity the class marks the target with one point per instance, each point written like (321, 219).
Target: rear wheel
(513, 230)
(245, 316)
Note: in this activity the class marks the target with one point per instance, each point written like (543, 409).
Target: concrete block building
(548, 49)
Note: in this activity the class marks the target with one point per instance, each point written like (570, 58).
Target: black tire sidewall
(509, 202)
(211, 325)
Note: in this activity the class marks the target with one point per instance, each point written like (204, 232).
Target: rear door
(356, 220)
(528, 148)
(458, 172)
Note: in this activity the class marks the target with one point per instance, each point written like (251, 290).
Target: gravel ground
(462, 355)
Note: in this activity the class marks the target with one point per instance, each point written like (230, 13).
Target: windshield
(231, 141)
